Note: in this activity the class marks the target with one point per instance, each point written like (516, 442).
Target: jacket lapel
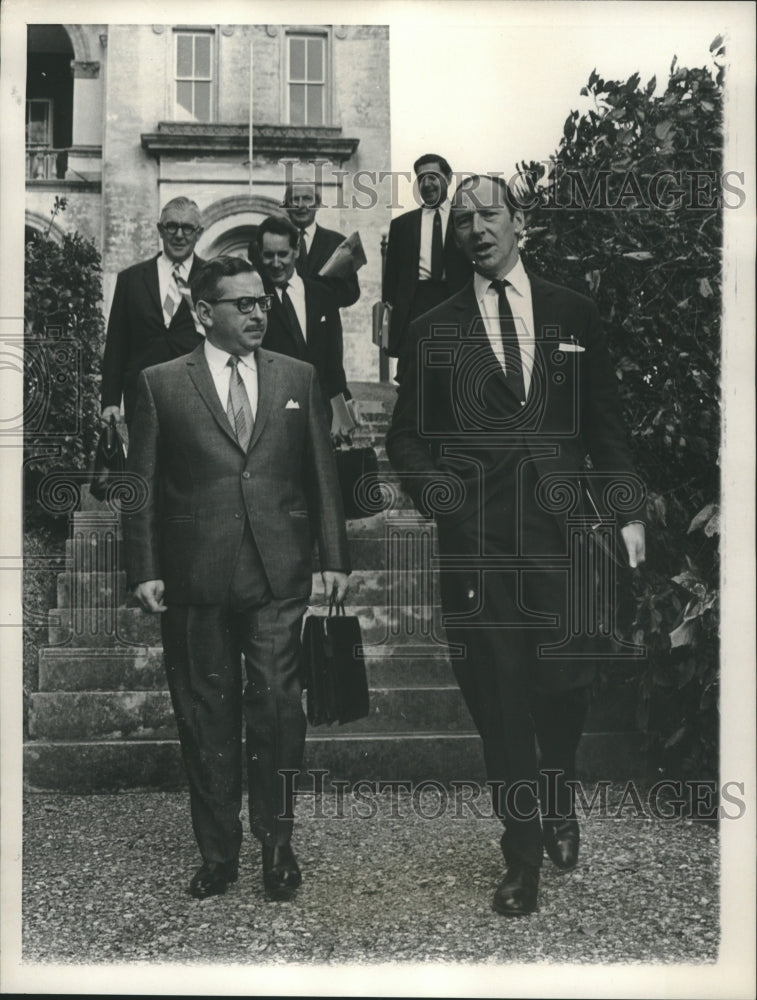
(152, 284)
(197, 366)
(545, 323)
(415, 245)
(267, 381)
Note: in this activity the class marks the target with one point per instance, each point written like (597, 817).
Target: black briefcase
(358, 481)
(109, 461)
(334, 668)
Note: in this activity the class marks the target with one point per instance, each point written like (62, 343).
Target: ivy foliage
(629, 211)
(63, 339)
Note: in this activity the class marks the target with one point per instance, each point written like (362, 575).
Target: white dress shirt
(296, 292)
(427, 231)
(218, 362)
(518, 294)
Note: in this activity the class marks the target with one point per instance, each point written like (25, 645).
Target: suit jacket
(401, 271)
(346, 291)
(324, 346)
(201, 486)
(455, 412)
(137, 336)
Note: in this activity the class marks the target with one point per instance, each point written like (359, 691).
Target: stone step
(134, 627)
(366, 587)
(132, 715)
(104, 766)
(141, 669)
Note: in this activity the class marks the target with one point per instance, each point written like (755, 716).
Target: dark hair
(472, 183)
(445, 168)
(205, 283)
(288, 192)
(279, 225)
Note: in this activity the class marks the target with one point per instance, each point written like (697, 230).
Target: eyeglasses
(172, 228)
(247, 303)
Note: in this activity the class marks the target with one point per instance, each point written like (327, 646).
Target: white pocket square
(570, 347)
(292, 404)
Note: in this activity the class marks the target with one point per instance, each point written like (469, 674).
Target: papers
(347, 259)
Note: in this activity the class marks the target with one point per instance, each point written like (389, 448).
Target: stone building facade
(122, 118)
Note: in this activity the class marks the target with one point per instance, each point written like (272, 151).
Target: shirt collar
(184, 268)
(516, 276)
(309, 232)
(218, 359)
(443, 208)
(295, 284)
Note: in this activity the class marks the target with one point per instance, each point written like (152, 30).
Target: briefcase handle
(336, 608)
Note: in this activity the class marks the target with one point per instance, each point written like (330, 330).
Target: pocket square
(570, 347)
(292, 404)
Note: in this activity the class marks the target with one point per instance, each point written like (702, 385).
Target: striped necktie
(513, 359)
(186, 293)
(238, 408)
(172, 301)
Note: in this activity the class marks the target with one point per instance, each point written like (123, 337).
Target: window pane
(315, 105)
(184, 96)
(296, 58)
(315, 59)
(297, 104)
(183, 55)
(202, 102)
(202, 56)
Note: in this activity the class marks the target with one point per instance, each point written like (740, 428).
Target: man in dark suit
(233, 447)
(304, 318)
(423, 265)
(508, 388)
(315, 244)
(152, 318)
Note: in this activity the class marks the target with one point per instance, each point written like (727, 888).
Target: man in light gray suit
(233, 445)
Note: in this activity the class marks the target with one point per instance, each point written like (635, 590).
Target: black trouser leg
(203, 667)
(274, 720)
(559, 721)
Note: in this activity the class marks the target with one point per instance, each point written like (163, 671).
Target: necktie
(302, 256)
(186, 293)
(437, 248)
(294, 323)
(173, 296)
(238, 408)
(513, 359)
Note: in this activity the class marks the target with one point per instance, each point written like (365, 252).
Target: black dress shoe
(561, 843)
(516, 895)
(281, 873)
(213, 878)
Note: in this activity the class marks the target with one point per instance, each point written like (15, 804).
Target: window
(306, 79)
(194, 75)
(39, 122)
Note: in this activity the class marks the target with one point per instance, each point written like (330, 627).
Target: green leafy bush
(63, 338)
(629, 211)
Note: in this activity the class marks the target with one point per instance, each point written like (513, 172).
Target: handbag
(334, 670)
(357, 469)
(109, 461)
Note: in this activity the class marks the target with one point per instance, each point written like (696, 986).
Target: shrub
(607, 221)
(63, 337)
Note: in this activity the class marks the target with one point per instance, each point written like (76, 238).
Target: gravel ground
(105, 881)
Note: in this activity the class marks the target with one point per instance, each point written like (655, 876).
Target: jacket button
(245, 475)
(237, 515)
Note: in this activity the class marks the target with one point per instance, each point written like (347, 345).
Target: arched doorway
(231, 224)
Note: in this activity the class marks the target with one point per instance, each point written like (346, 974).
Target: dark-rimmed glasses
(246, 303)
(172, 228)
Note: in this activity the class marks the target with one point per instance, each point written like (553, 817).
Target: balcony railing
(77, 164)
